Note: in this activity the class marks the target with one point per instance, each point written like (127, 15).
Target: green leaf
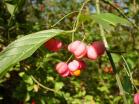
(131, 63)
(127, 85)
(89, 99)
(58, 85)
(24, 47)
(116, 57)
(108, 19)
(27, 96)
(29, 87)
(27, 79)
(10, 8)
(84, 18)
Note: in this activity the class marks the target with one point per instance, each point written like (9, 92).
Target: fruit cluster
(79, 49)
(72, 68)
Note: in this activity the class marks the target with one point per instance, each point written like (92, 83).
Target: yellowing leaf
(10, 8)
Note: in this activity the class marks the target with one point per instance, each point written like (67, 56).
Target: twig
(75, 26)
(69, 58)
(63, 18)
(117, 52)
(129, 72)
(76, 23)
(110, 57)
(41, 85)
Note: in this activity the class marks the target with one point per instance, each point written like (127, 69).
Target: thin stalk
(41, 85)
(117, 52)
(64, 17)
(11, 17)
(76, 23)
(75, 26)
(110, 56)
(69, 58)
(130, 74)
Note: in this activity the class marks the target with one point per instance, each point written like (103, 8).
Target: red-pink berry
(62, 69)
(95, 50)
(78, 48)
(136, 98)
(53, 45)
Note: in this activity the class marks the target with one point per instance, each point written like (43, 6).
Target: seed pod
(95, 50)
(78, 48)
(76, 72)
(53, 45)
(62, 69)
(82, 65)
(136, 98)
(76, 66)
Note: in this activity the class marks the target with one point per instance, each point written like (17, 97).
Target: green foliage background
(25, 79)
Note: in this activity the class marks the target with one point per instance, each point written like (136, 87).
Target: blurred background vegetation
(35, 79)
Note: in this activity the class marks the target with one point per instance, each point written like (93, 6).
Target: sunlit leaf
(10, 8)
(24, 47)
(116, 58)
(107, 20)
(58, 85)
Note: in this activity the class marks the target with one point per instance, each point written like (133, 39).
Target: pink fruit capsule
(136, 98)
(78, 48)
(53, 45)
(82, 65)
(75, 64)
(62, 67)
(72, 46)
(66, 74)
(95, 50)
(80, 51)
